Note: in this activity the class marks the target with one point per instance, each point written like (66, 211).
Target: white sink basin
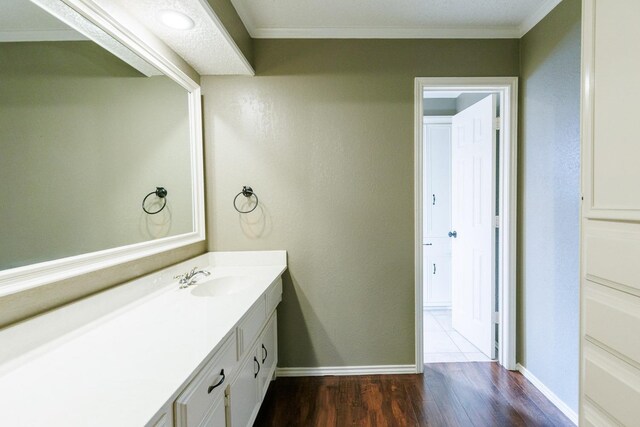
(223, 286)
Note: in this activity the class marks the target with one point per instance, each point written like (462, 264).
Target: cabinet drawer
(274, 296)
(250, 326)
(207, 387)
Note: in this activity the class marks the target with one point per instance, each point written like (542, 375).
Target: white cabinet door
(437, 177)
(610, 229)
(216, 416)
(437, 212)
(243, 394)
(473, 206)
(268, 352)
(437, 272)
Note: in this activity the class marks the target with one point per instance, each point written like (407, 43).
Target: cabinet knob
(265, 353)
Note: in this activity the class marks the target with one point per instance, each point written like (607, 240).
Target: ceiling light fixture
(176, 20)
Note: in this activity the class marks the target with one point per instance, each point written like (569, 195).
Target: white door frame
(507, 89)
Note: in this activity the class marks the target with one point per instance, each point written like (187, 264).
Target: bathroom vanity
(149, 352)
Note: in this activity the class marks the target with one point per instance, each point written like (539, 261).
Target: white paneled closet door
(610, 240)
(437, 212)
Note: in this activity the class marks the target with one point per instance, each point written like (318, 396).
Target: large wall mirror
(90, 125)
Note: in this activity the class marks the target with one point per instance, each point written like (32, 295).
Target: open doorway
(465, 220)
(460, 132)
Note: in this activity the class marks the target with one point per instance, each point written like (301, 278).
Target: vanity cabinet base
(250, 386)
(229, 390)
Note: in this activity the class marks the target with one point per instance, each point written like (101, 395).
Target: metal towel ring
(246, 192)
(161, 192)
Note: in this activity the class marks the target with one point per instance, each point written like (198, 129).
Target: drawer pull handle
(218, 383)
(255, 360)
(265, 353)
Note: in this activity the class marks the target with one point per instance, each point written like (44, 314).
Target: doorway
(465, 220)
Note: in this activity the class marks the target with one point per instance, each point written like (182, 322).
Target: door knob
(453, 234)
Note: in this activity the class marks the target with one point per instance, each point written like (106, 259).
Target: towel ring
(161, 193)
(246, 192)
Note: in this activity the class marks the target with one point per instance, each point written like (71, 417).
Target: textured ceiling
(207, 47)
(21, 20)
(391, 18)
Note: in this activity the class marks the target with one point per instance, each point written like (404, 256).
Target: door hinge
(227, 398)
(498, 123)
(497, 221)
(496, 317)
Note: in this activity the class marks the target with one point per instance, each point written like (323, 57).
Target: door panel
(615, 143)
(437, 273)
(437, 178)
(610, 227)
(473, 202)
(437, 212)
(612, 385)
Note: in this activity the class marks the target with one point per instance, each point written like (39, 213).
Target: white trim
(437, 306)
(553, 398)
(537, 16)
(587, 106)
(385, 33)
(485, 32)
(507, 88)
(346, 370)
(30, 276)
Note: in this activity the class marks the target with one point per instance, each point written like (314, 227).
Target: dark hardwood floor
(447, 394)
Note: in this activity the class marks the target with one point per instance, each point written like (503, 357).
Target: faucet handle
(179, 276)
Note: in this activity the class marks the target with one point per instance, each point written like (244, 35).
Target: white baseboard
(346, 370)
(564, 408)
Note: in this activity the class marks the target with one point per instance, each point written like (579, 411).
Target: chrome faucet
(189, 278)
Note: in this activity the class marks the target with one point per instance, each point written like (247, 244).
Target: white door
(437, 212)
(473, 207)
(610, 241)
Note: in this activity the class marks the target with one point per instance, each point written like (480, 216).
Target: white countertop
(116, 358)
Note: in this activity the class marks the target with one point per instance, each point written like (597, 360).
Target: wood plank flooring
(447, 394)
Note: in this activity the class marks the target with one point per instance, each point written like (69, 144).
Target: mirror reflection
(84, 137)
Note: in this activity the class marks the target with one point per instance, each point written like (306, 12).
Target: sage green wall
(324, 135)
(549, 200)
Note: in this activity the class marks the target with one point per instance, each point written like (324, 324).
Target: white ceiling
(391, 18)
(21, 20)
(207, 47)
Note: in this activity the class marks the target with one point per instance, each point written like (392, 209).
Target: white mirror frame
(22, 278)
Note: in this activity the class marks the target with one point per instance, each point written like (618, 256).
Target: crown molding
(497, 32)
(537, 16)
(385, 33)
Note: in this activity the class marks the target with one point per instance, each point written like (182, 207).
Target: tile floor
(443, 344)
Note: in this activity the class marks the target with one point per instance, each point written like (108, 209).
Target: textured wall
(324, 134)
(549, 201)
